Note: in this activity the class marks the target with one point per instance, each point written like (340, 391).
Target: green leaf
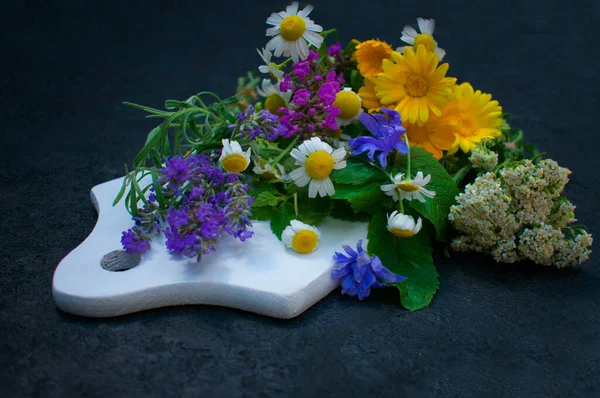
(313, 211)
(122, 190)
(262, 213)
(281, 219)
(367, 197)
(436, 209)
(409, 257)
(357, 173)
(152, 141)
(341, 210)
(265, 199)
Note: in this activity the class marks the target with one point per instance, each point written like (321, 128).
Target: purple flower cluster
(259, 124)
(205, 203)
(359, 272)
(315, 85)
(387, 131)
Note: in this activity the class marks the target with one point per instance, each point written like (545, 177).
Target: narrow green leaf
(121, 191)
(409, 257)
(152, 142)
(154, 111)
(158, 190)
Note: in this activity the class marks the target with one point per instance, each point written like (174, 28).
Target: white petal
(298, 225)
(339, 165)
(313, 27)
(294, 51)
(313, 38)
(338, 154)
(427, 192)
(274, 19)
(299, 156)
(409, 34)
(426, 25)
(440, 53)
(300, 177)
(302, 48)
(279, 74)
(388, 188)
(401, 49)
(264, 69)
(292, 9)
(273, 31)
(397, 179)
(277, 45)
(307, 10)
(236, 147)
(417, 227)
(329, 189)
(313, 188)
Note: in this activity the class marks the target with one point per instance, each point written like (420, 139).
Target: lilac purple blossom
(387, 131)
(263, 123)
(359, 272)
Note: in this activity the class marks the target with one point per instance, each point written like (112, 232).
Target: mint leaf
(409, 257)
(281, 219)
(265, 199)
(436, 209)
(313, 211)
(357, 173)
(342, 210)
(367, 197)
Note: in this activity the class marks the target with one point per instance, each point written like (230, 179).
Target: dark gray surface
(492, 330)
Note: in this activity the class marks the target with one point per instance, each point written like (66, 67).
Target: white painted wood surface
(259, 275)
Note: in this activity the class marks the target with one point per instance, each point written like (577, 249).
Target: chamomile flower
(233, 158)
(301, 237)
(402, 225)
(338, 139)
(350, 106)
(425, 38)
(274, 98)
(292, 29)
(268, 172)
(407, 188)
(316, 160)
(269, 67)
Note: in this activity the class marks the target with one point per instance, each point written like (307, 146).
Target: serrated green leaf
(262, 213)
(265, 199)
(409, 257)
(367, 197)
(436, 209)
(357, 173)
(313, 211)
(281, 219)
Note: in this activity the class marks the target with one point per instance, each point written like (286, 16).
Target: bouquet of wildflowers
(359, 132)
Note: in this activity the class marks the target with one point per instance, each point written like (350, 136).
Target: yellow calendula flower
(369, 96)
(416, 83)
(473, 116)
(370, 54)
(430, 136)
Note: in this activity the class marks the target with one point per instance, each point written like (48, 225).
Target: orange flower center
(466, 126)
(416, 86)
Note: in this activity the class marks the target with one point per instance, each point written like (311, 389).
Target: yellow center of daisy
(425, 40)
(466, 126)
(319, 165)
(407, 186)
(402, 233)
(292, 28)
(235, 163)
(349, 104)
(273, 102)
(416, 86)
(335, 133)
(305, 241)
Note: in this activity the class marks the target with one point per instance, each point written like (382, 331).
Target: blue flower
(387, 131)
(359, 272)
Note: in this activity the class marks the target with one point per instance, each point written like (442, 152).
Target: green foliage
(313, 211)
(281, 219)
(407, 257)
(367, 198)
(357, 173)
(342, 210)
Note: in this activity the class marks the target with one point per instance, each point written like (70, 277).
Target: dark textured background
(492, 330)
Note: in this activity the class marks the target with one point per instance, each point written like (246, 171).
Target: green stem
(401, 205)
(285, 151)
(296, 203)
(408, 175)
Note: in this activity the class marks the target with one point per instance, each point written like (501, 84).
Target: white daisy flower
(269, 67)
(425, 38)
(233, 158)
(316, 160)
(292, 29)
(268, 172)
(274, 98)
(402, 225)
(301, 237)
(350, 105)
(407, 188)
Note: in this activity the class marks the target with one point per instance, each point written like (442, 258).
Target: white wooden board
(259, 275)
